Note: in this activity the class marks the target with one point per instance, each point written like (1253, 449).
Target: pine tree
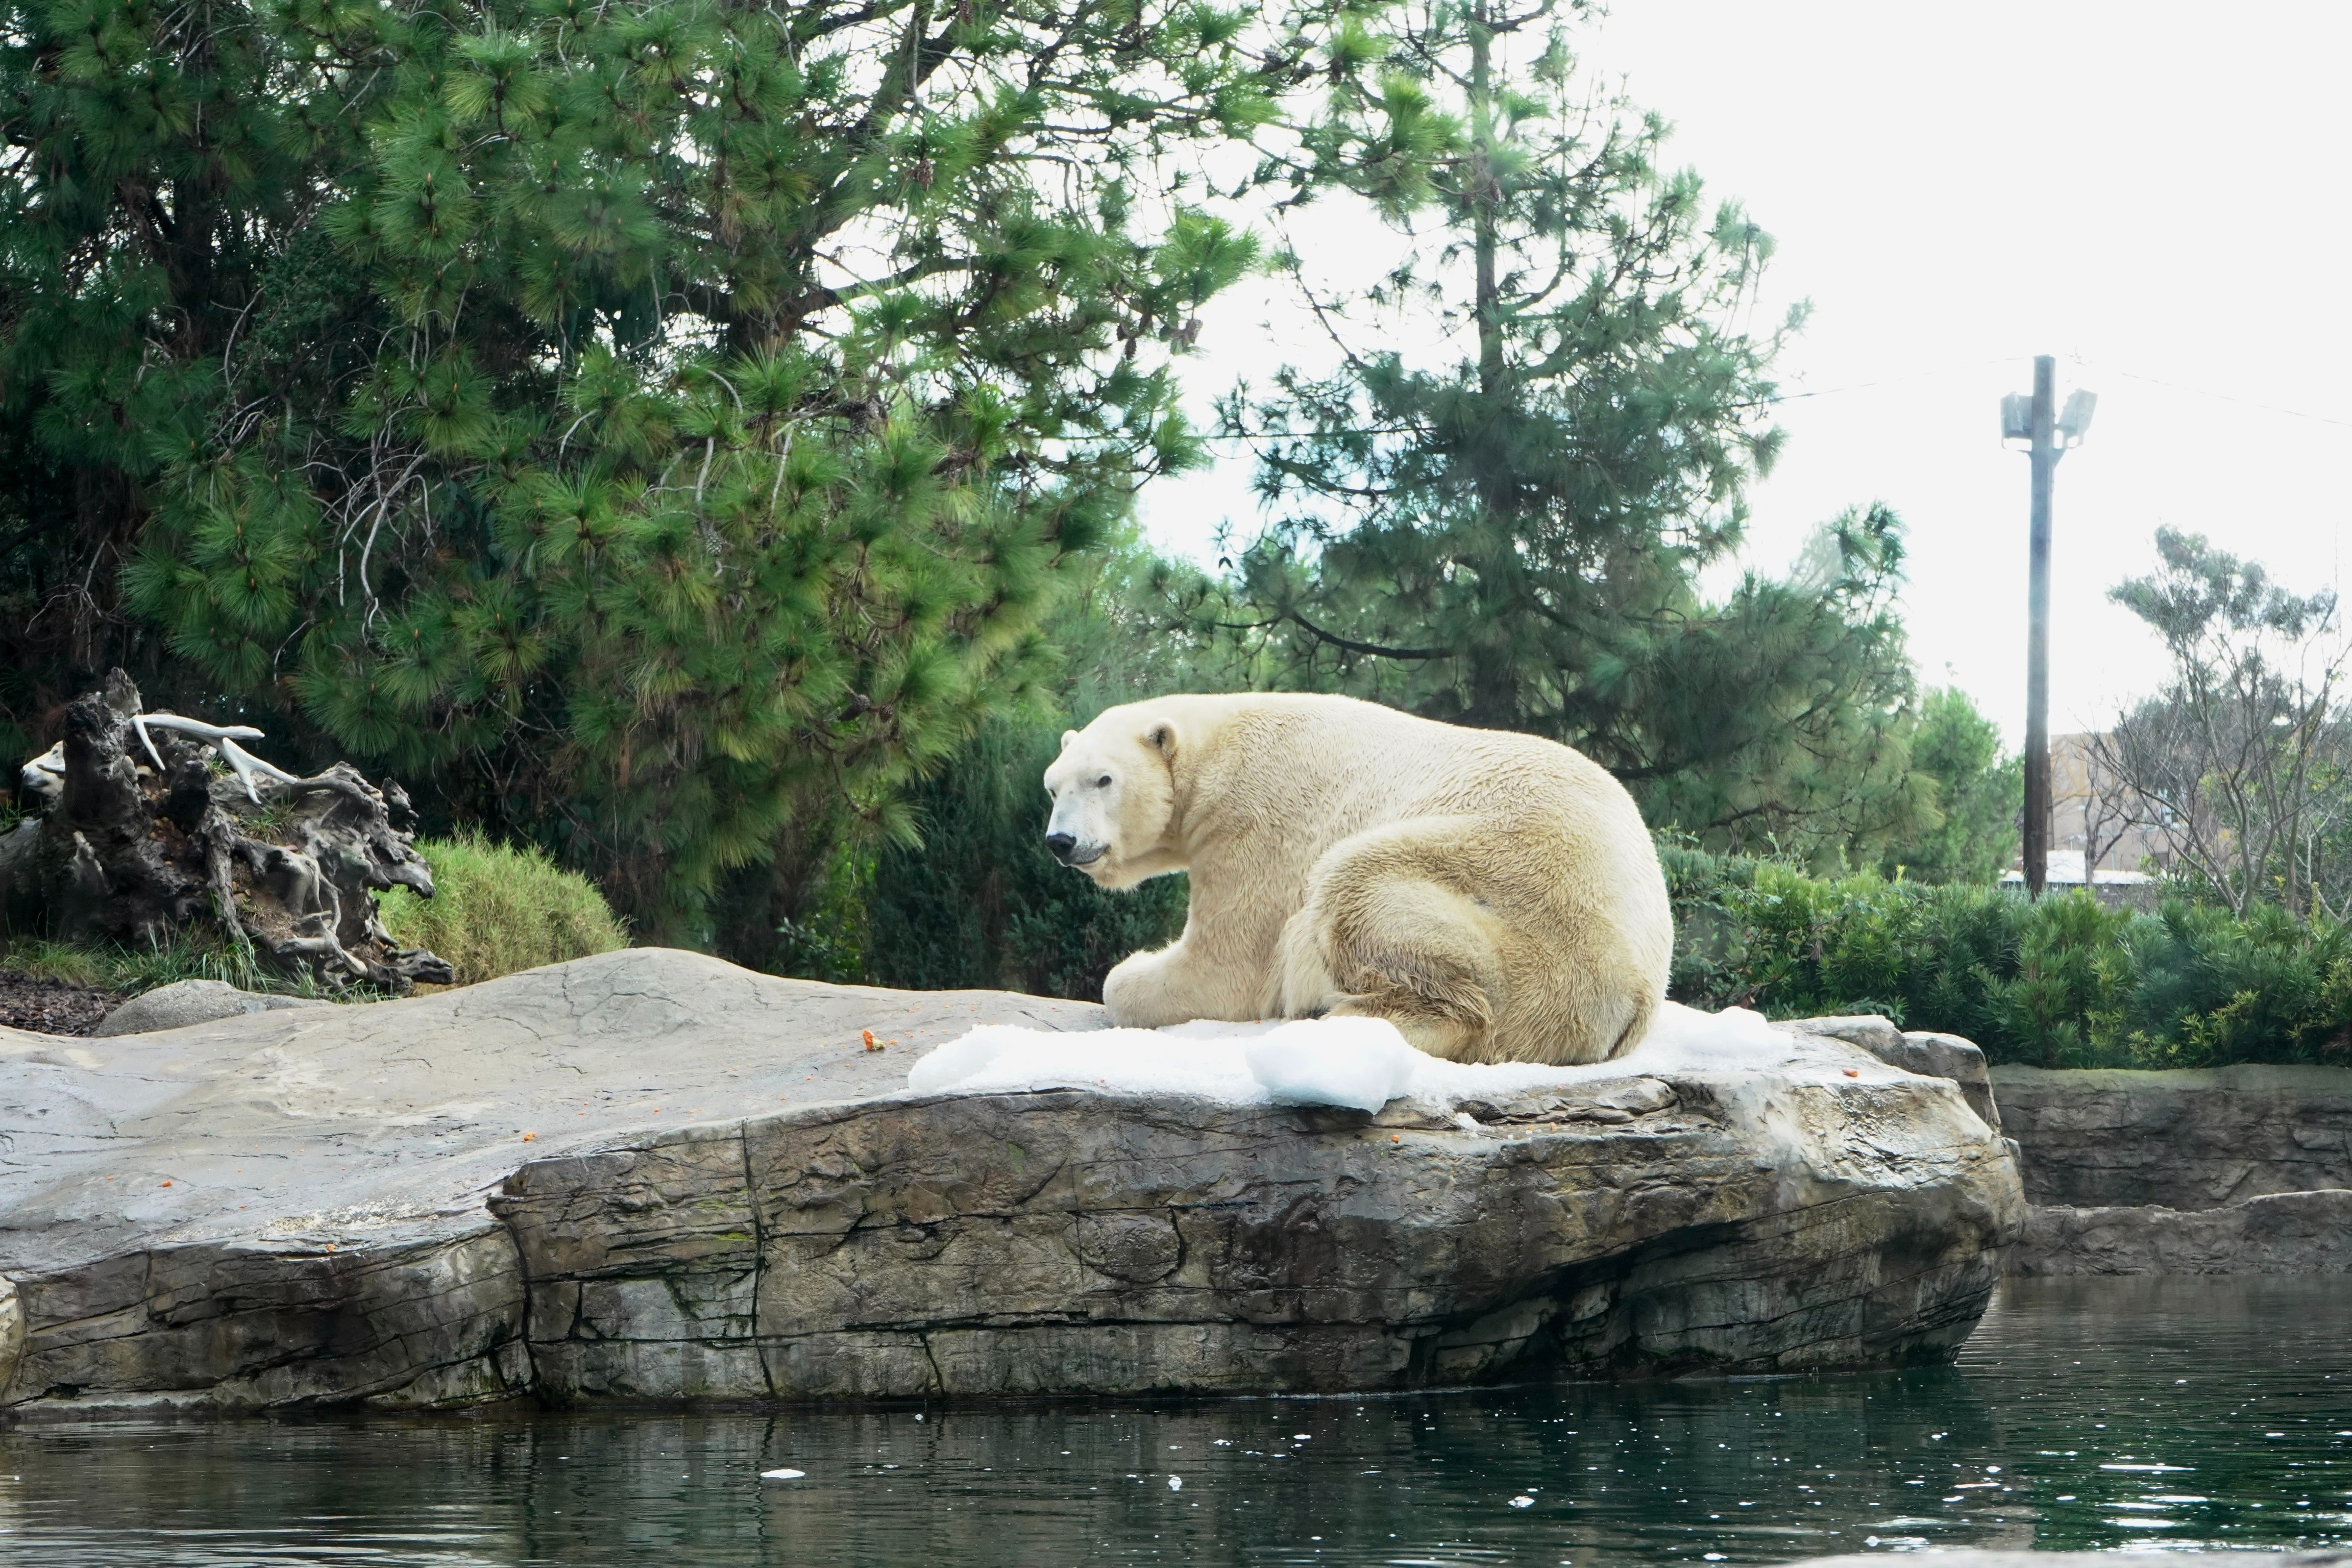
(660, 424)
(1510, 531)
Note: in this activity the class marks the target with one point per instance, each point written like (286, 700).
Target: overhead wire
(2208, 392)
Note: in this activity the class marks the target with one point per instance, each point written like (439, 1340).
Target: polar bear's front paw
(1122, 990)
(1140, 996)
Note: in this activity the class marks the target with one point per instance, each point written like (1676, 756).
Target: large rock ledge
(2278, 1233)
(338, 1206)
(2239, 1170)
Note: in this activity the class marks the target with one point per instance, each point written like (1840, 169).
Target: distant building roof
(2065, 869)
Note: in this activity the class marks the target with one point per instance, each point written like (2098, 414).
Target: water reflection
(2083, 1414)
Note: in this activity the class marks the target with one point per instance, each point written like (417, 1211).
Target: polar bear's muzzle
(1070, 852)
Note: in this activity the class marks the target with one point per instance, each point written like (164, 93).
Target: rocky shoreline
(483, 1195)
(652, 1176)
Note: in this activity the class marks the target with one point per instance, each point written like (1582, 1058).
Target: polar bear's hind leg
(1419, 954)
(1302, 981)
(1383, 937)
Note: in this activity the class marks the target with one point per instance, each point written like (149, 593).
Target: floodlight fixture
(2017, 416)
(2074, 419)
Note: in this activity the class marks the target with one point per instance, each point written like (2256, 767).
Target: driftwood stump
(149, 822)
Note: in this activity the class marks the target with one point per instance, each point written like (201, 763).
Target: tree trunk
(1493, 675)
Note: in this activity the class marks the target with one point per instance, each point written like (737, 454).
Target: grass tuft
(195, 952)
(498, 910)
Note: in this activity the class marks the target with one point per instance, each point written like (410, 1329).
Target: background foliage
(698, 440)
(657, 426)
(2062, 982)
(2242, 760)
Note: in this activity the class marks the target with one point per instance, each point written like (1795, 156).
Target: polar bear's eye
(1103, 783)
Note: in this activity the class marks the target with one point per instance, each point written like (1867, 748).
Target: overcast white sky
(2155, 192)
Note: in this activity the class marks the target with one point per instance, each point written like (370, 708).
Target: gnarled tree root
(288, 866)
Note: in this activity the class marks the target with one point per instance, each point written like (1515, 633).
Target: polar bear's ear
(1068, 736)
(1161, 737)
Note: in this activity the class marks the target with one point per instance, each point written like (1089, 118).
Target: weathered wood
(149, 825)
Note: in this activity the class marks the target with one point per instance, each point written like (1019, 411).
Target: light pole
(2035, 417)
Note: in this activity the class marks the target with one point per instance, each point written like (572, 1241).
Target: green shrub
(497, 908)
(2062, 982)
(2217, 988)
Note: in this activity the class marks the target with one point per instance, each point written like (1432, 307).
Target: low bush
(496, 909)
(2062, 982)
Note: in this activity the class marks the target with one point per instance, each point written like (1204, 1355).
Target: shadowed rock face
(334, 1206)
(2278, 1233)
(2196, 1140)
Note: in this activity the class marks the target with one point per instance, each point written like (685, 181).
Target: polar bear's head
(1114, 793)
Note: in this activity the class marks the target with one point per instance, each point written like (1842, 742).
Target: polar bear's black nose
(1061, 844)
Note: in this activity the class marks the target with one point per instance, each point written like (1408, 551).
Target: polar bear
(1495, 896)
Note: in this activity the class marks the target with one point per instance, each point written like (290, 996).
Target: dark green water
(2179, 1414)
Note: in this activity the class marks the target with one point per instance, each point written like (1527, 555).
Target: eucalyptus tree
(2241, 764)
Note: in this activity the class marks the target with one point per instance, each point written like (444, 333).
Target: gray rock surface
(2106, 1139)
(1967, 1559)
(187, 1001)
(2279, 1232)
(1925, 1053)
(482, 1193)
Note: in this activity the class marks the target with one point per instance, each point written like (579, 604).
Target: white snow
(1359, 1062)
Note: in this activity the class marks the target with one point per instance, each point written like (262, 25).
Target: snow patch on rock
(1359, 1062)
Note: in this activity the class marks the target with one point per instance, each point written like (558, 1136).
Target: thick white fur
(1493, 895)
